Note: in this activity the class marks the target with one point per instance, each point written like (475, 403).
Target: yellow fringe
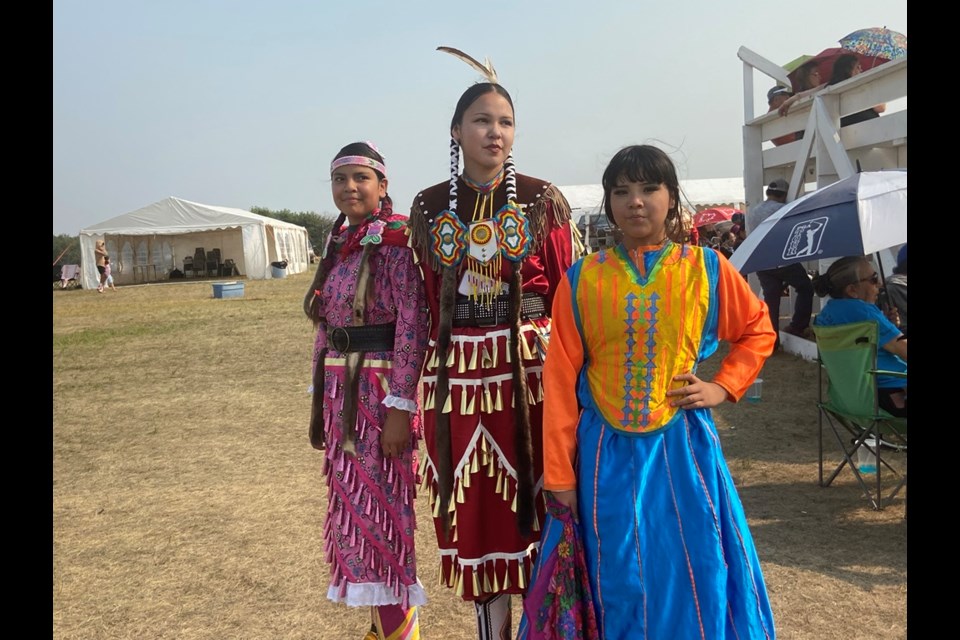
(448, 405)
(450, 358)
(473, 357)
(476, 583)
(471, 406)
(463, 402)
(475, 462)
(460, 497)
(499, 483)
(486, 582)
(525, 348)
(486, 361)
(521, 577)
(498, 403)
(462, 364)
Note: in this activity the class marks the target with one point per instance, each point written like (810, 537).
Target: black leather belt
(371, 337)
(469, 312)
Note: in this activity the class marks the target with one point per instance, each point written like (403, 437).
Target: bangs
(638, 164)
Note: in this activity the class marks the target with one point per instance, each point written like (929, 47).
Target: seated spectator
(844, 68)
(806, 83)
(808, 77)
(896, 289)
(775, 97)
(853, 286)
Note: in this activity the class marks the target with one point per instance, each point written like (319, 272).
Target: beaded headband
(362, 161)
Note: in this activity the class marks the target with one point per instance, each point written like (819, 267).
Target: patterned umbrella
(878, 42)
(713, 215)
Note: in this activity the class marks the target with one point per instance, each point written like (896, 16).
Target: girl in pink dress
(367, 304)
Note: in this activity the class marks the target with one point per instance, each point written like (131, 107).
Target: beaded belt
(371, 337)
(469, 312)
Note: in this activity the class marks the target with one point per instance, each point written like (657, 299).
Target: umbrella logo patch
(804, 239)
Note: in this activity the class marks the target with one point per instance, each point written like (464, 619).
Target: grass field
(188, 503)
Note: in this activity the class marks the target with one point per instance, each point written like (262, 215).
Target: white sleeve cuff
(395, 402)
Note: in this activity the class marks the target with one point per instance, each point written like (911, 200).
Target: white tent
(151, 242)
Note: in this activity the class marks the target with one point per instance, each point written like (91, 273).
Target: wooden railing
(827, 152)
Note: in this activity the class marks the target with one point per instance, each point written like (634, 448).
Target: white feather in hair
(486, 68)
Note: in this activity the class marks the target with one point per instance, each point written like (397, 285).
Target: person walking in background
(773, 281)
(630, 445)
(107, 274)
(367, 304)
(100, 251)
(853, 286)
(492, 245)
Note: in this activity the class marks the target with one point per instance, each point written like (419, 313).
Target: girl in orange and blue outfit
(630, 445)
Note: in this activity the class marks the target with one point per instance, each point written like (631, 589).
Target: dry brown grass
(188, 502)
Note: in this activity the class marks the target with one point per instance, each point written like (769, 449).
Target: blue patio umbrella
(855, 216)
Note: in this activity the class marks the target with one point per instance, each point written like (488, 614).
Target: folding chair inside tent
(848, 354)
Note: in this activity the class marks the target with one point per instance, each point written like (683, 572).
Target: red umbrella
(713, 215)
(827, 57)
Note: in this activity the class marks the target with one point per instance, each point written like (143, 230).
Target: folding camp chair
(848, 354)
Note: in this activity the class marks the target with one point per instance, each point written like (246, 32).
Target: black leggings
(886, 402)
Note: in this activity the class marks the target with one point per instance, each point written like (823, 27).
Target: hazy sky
(243, 103)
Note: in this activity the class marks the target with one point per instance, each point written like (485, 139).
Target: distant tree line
(71, 244)
(317, 225)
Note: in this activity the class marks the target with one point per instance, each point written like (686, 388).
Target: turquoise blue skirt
(667, 544)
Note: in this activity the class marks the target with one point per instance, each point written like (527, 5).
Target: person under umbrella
(853, 285)
(773, 281)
